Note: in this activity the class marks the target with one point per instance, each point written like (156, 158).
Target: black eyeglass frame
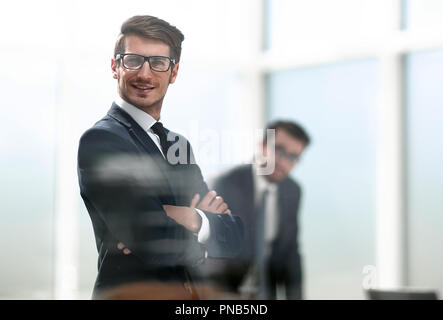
(120, 56)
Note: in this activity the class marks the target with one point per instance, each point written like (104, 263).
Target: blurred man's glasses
(132, 61)
(281, 153)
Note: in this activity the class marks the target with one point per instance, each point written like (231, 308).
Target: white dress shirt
(146, 121)
(271, 213)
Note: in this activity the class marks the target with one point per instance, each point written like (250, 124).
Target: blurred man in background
(269, 207)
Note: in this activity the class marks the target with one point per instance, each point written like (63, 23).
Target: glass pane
(425, 156)
(29, 23)
(318, 24)
(337, 106)
(423, 13)
(27, 168)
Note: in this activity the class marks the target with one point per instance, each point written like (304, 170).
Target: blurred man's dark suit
(124, 182)
(237, 189)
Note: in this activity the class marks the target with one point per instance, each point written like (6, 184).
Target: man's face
(287, 151)
(144, 88)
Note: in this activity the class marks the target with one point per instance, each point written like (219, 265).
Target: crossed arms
(126, 199)
(188, 217)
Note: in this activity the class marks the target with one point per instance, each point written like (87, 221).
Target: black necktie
(262, 273)
(160, 131)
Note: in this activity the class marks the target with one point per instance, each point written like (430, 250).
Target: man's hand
(210, 202)
(189, 218)
(186, 216)
(121, 246)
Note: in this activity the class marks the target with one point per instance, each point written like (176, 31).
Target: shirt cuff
(205, 232)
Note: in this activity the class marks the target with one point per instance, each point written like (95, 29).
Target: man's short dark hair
(292, 128)
(151, 28)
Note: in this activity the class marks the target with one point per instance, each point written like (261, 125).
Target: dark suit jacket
(124, 181)
(237, 189)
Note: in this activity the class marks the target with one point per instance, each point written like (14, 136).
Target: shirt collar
(144, 120)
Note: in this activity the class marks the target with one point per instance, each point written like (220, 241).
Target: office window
(423, 14)
(425, 177)
(337, 106)
(27, 169)
(319, 24)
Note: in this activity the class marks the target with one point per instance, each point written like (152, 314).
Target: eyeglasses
(280, 152)
(132, 61)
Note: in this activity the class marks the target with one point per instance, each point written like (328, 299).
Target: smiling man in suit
(153, 215)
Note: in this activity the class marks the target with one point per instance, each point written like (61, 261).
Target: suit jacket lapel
(144, 140)
(246, 180)
(286, 205)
